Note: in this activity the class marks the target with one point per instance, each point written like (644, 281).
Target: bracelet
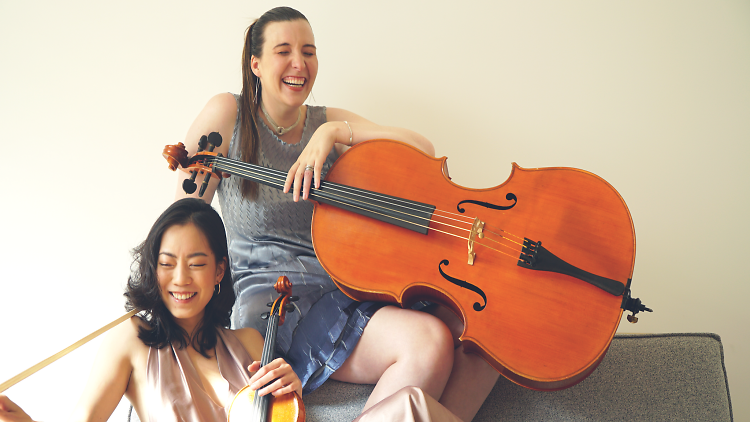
(351, 134)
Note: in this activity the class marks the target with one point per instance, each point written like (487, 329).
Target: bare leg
(399, 348)
(472, 378)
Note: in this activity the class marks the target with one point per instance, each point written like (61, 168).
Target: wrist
(345, 135)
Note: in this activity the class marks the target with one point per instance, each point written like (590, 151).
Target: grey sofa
(650, 377)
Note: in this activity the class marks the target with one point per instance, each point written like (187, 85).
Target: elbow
(426, 146)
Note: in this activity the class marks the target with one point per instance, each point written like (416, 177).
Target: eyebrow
(286, 44)
(189, 256)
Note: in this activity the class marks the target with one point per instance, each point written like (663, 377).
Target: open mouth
(183, 296)
(294, 81)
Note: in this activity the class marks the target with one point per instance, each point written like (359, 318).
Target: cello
(538, 268)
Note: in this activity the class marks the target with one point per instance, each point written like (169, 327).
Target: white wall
(654, 96)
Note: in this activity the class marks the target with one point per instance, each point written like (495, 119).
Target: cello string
(279, 175)
(274, 178)
(333, 187)
(275, 181)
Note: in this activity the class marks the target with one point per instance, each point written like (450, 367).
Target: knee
(410, 393)
(434, 342)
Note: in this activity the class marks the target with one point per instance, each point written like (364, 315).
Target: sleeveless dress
(177, 392)
(270, 237)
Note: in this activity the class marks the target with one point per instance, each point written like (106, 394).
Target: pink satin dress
(177, 391)
(409, 404)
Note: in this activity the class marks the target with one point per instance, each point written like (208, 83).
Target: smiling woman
(333, 336)
(648, 95)
(188, 274)
(177, 359)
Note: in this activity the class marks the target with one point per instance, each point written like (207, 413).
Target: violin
(245, 406)
(538, 268)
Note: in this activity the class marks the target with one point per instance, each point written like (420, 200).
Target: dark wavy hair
(254, 40)
(143, 292)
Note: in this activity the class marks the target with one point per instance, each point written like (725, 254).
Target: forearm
(363, 131)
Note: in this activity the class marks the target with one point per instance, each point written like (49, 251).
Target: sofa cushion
(643, 377)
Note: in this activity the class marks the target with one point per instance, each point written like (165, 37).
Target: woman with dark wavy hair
(269, 124)
(177, 360)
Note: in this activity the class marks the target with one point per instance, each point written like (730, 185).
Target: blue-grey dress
(270, 237)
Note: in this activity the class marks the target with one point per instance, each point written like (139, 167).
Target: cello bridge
(477, 230)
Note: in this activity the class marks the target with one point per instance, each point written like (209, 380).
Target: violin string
(274, 178)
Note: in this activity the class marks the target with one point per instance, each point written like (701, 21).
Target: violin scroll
(282, 304)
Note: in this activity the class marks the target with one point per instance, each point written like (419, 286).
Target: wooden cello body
(542, 329)
(538, 268)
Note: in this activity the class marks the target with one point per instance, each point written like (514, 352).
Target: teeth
(183, 296)
(294, 81)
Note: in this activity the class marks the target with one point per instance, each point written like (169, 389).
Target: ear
(255, 66)
(221, 267)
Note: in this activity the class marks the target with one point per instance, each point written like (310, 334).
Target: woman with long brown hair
(269, 231)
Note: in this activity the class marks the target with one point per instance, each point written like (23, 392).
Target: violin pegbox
(176, 155)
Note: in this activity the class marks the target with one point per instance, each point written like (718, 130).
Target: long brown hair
(250, 98)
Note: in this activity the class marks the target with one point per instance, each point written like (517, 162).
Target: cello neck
(400, 212)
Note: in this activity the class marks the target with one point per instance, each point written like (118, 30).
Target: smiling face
(187, 273)
(289, 64)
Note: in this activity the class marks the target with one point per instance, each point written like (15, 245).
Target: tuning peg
(188, 185)
(269, 304)
(265, 315)
(289, 307)
(204, 185)
(214, 138)
(293, 298)
(202, 143)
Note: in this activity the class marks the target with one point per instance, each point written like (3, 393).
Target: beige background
(653, 96)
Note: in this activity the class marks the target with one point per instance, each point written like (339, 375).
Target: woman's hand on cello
(10, 412)
(284, 379)
(300, 177)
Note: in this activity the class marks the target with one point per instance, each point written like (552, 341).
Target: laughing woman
(269, 232)
(178, 361)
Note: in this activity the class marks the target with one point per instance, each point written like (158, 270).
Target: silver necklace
(280, 130)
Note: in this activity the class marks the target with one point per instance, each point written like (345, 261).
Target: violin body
(286, 408)
(542, 329)
(246, 406)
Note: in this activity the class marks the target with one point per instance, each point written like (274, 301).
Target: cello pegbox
(176, 155)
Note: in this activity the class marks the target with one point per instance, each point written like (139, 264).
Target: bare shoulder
(123, 338)
(251, 340)
(218, 115)
(223, 105)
